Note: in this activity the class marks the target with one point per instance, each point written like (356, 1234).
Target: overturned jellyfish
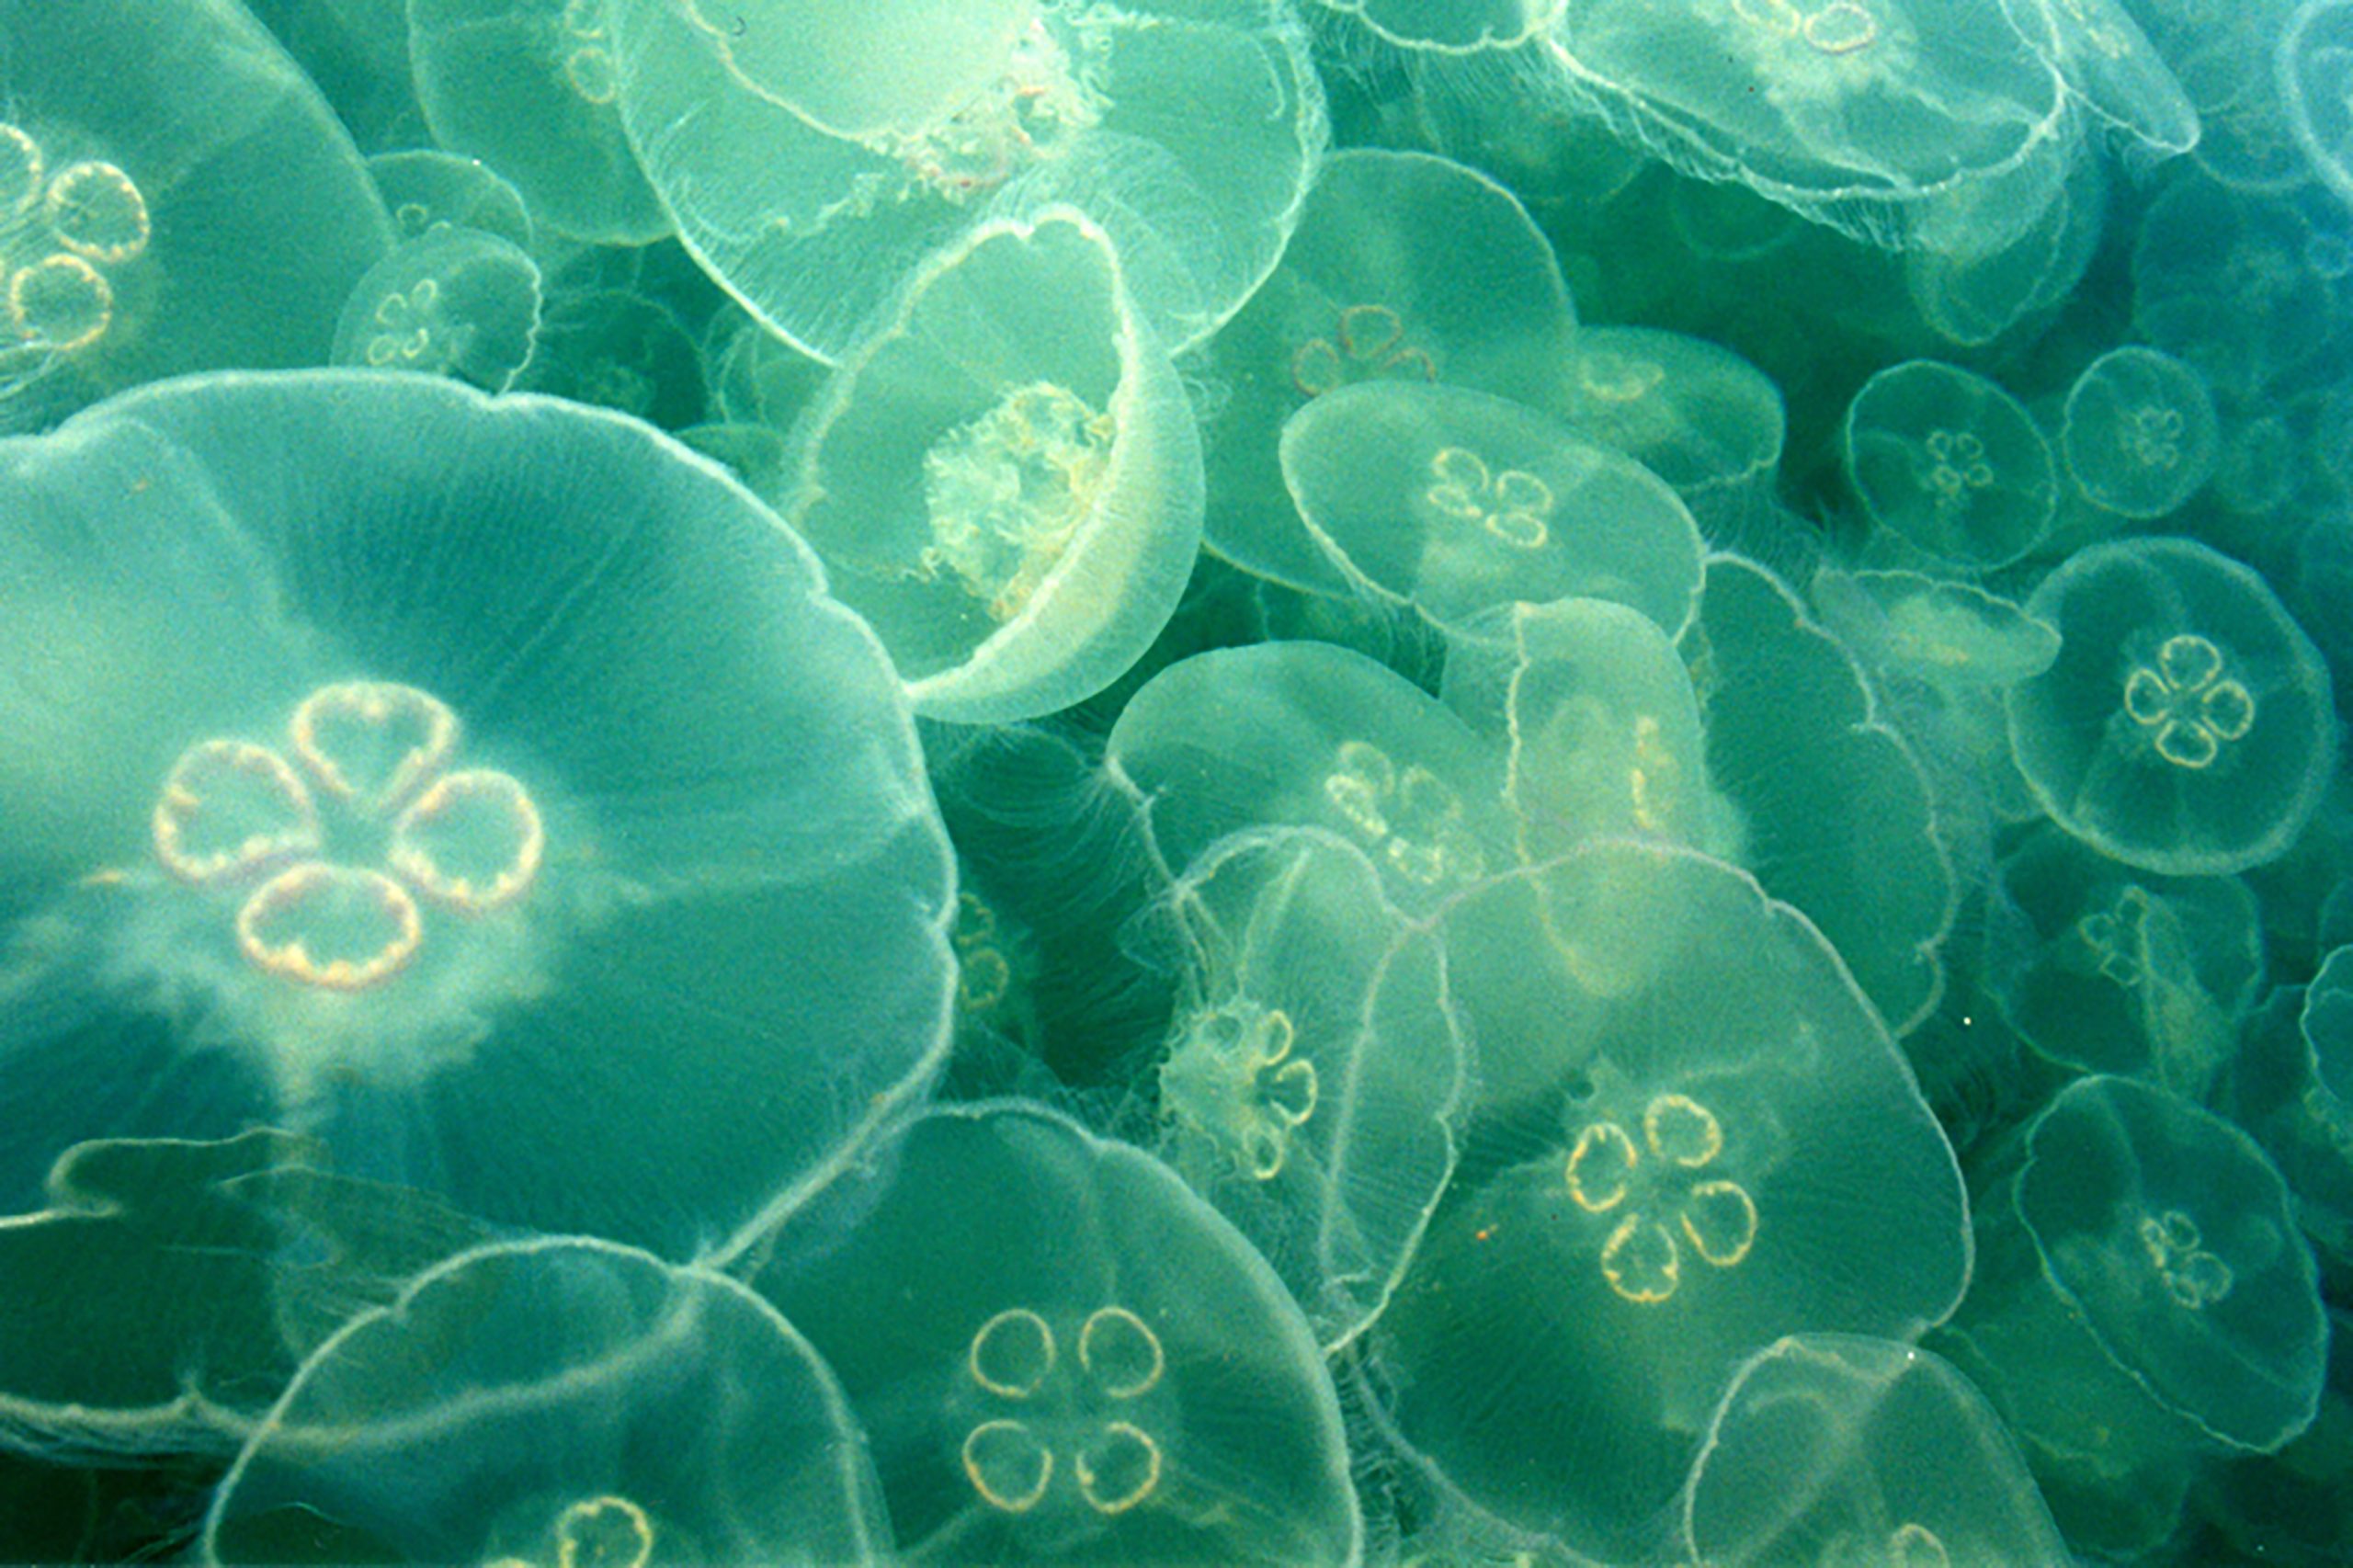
(557, 1404)
(1061, 1354)
(486, 789)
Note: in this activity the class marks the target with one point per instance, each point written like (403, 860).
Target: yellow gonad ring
(292, 959)
(373, 704)
(468, 791)
(199, 772)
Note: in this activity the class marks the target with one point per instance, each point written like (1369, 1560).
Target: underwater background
(1188, 782)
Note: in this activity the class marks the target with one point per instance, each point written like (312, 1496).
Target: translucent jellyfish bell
(1835, 1448)
(1061, 1354)
(1310, 736)
(1458, 503)
(1005, 480)
(453, 302)
(1405, 267)
(2140, 435)
(1680, 1154)
(2316, 69)
(483, 788)
(557, 1404)
(1446, 26)
(2326, 1025)
(813, 156)
(1311, 1071)
(1950, 462)
(1700, 416)
(2187, 726)
(2111, 68)
(2144, 1299)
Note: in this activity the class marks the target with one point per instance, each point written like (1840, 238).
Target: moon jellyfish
(1830, 809)
(2111, 68)
(2315, 66)
(1855, 113)
(1948, 634)
(2117, 971)
(619, 349)
(483, 789)
(2221, 281)
(1458, 503)
(2326, 1025)
(557, 1404)
(1312, 1072)
(815, 155)
(2140, 436)
(1834, 1448)
(1306, 734)
(453, 302)
(2143, 1300)
(2187, 726)
(1061, 1354)
(426, 188)
(1006, 480)
(1951, 463)
(161, 1298)
(143, 147)
(1691, 1141)
(1698, 416)
(1986, 278)
(1451, 27)
(1405, 267)
(529, 86)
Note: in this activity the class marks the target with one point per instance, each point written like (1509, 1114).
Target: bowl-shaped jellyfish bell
(1951, 463)
(1835, 1448)
(1060, 1354)
(2315, 68)
(529, 87)
(2223, 280)
(424, 188)
(815, 154)
(1690, 1143)
(1697, 415)
(2124, 971)
(1307, 735)
(1312, 1072)
(2187, 726)
(2140, 436)
(488, 789)
(557, 1404)
(1833, 813)
(1860, 114)
(2327, 1026)
(2144, 1299)
(165, 1293)
(452, 302)
(1458, 503)
(1405, 267)
(1006, 479)
(2111, 68)
(146, 152)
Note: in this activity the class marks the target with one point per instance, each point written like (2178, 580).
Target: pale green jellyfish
(557, 1404)
(1060, 1354)
(1450, 27)
(454, 302)
(1832, 1448)
(2142, 1302)
(2113, 971)
(2187, 726)
(1005, 480)
(814, 154)
(2315, 63)
(2111, 68)
(2140, 437)
(1951, 463)
(424, 189)
(1980, 282)
(1829, 808)
(1700, 416)
(2222, 280)
(1856, 113)
(1694, 1137)
(1310, 1072)
(1458, 503)
(144, 146)
(164, 1294)
(529, 86)
(483, 788)
(2326, 1024)
(1405, 267)
(1310, 736)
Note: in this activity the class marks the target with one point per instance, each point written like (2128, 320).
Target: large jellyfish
(487, 789)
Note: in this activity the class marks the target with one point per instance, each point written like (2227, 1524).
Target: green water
(1459, 783)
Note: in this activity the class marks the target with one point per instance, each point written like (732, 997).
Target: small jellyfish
(1060, 1354)
(1017, 541)
(556, 1403)
(2187, 726)
(2139, 434)
(1820, 1452)
(426, 187)
(1700, 416)
(452, 302)
(1311, 1071)
(1499, 503)
(2315, 76)
(1951, 463)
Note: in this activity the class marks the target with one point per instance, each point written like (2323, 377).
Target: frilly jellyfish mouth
(235, 813)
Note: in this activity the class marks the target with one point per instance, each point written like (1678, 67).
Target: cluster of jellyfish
(1213, 783)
